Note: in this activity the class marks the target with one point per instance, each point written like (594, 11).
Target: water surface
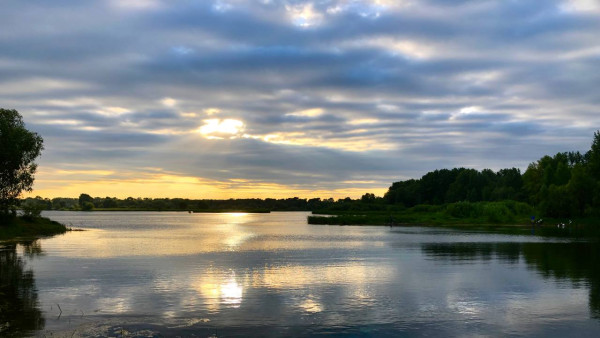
(167, 273)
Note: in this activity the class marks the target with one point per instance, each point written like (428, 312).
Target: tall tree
(19, 148)
(593, 156)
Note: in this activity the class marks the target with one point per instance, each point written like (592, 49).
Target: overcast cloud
(314, 96)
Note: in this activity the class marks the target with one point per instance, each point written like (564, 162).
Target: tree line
(86, 202)
(564, 185)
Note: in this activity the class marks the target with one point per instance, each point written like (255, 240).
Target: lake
(144, 274)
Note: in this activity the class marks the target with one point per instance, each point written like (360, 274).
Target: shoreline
(580, 228)
(33, 228)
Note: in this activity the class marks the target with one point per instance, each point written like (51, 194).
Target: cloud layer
(307, 96)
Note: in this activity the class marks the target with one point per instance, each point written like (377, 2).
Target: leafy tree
(581, 189)
(593, 156)
(368, 198)
(19, 148)
(83, 198)
(32, 208)
(87, 206)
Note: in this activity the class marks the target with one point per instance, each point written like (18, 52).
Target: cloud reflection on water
(290, 274)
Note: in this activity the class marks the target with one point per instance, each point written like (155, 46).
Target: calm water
(151, 274)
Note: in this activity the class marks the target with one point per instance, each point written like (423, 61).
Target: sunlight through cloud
(169, 102)
(219, 129)
(304, 15)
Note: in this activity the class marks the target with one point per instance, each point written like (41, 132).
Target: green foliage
(498, 213)
(463, 210)
(490, 212)
(31, 209)
(368, 198)
(564, 185)
(84, 198)
(18, 149)
(30, 228)
(458, 184)
(593, 156)
(452, 214)
(426, 208)
(87, 206)
(368, 202)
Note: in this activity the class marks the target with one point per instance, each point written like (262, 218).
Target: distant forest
(564, 185)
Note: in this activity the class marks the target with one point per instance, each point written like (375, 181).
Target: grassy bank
(506, 212)
(20, 227)
(507, 217)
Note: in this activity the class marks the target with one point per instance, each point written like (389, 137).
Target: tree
(87, 206)
(368, 198)
(19, 148)
(593, 156)
(83, 198)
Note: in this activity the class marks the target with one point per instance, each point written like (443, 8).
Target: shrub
(426, 208)
(32, 209)
(462, 210)
(497, 212)
(87, 206)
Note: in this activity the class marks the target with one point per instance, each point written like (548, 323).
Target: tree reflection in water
(577, 262)
(19, 312)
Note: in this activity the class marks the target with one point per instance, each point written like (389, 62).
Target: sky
(265, 98)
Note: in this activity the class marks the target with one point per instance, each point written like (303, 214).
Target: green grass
(506, 217)
(506, 212)
(30, 228)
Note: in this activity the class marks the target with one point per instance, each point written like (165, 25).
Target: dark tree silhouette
(18, 150)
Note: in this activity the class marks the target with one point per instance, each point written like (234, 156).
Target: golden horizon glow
(51, 183)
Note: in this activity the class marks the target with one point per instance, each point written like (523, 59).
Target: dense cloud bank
(301, 93)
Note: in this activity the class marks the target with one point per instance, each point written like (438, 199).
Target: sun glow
(157, 183)
(219, 129)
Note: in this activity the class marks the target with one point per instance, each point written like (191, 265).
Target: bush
(497, 212)
(32, 209)
(463, 210)
(518, 208)
(87, 206)
(426, 208)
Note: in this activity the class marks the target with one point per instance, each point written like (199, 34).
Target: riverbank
(20, 227)
(507, 217)
(498, 213)
(579, 228)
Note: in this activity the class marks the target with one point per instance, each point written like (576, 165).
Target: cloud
(312, 93)
(218, 129)
(313, 112)
(168, 102)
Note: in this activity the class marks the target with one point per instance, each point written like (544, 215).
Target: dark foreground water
(177, 274)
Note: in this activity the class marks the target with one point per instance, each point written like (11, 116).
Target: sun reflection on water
(219, 289)
(237, 214)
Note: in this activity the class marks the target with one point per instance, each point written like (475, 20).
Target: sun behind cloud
(220, 129)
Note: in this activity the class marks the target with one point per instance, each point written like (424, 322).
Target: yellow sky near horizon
(52, 183)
